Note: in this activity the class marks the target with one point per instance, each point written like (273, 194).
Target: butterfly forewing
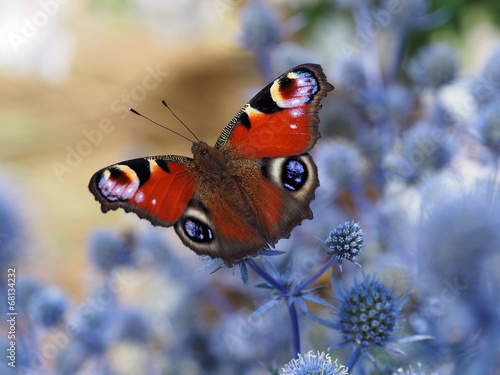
(155, 188)
(282, 119)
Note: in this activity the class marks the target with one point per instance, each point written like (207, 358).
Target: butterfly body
(245, 193)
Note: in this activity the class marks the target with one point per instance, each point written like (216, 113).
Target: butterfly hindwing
(155, 188)
(271, 196)
(282, 119)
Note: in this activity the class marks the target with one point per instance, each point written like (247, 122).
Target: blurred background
(69, 71)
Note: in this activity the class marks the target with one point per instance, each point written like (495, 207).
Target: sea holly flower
(488, 126)
(259, 26)
(12, 236)
(341, 166)
(47, 307)
(312, 363)
(110, 249)
(345, 242)
(367, 313)
(366, 317)
(434, 66)
(408, 14)
(424, 148)
(485, 87)
(133, 326)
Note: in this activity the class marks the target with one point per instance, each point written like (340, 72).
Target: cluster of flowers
(417, 172)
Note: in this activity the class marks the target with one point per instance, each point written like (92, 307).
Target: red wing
(232, 227)
(156, 188)
(282, 119)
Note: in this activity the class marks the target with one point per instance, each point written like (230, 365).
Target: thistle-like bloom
(47, 307)
(11, 227)
(133, 326)
(424, 149)
(434, 66)
(367, 313)
(486, 86)
(259, 26)
(109, 250)
(345, 242)
(341, 166)
(410, 13)
(488, 125)
(313, 364)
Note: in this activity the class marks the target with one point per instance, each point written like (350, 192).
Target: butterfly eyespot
(294, 174)
(197, 231)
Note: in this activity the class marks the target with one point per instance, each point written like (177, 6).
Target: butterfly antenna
(164, 127)
(172, 112)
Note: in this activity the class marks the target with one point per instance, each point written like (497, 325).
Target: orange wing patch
(157, 189)
(282, 119)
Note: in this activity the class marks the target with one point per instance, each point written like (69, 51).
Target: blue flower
(424, 149)
(458, 256)
(340, 166)
(244, 339)
(350, 75)
(11, 227)
(312, 363)
(95, 329)
(26, 288)
(260, 26)
(488, 125)
(110, 249)
(434, 66)
(406, 14)
(392, 105)
(287, 55)
(485, 87)
(133, 326)
(47, 307)
(345, 242)
(367, 313)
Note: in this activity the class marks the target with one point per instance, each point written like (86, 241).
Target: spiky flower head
(259, 25)
(488, 125)
(367, 313)
(313, 364)
(486, 86)
(424, 149)
(345, 241)
(434, 66)
(110, 249)
(47, 307)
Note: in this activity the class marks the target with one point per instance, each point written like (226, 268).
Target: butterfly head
(208, 158)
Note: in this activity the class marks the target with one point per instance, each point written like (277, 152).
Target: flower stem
(266, 276)
(291, 307)
(353, 358)
(320, 272)
(295, 329)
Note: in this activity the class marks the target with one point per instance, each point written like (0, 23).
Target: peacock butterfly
(243, 195)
